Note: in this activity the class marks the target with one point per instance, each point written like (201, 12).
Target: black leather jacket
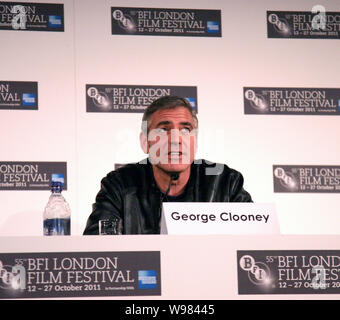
(132, 194)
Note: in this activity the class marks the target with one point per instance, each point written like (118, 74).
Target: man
(135, 192)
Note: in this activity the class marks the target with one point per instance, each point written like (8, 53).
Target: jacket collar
(188, 188)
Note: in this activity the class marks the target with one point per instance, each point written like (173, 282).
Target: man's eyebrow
(161, 123)
(186, 123)
(166, 122)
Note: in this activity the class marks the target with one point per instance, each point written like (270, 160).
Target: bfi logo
(12, 277)
(258, 272)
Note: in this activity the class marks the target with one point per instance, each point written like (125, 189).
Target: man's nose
(175, 136)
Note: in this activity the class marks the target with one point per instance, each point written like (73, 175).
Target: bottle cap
(56, 187)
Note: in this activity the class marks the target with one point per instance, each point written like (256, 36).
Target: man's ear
(143, 139)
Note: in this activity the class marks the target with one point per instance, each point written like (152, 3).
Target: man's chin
(171, 167)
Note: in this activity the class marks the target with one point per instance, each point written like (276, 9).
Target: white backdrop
(91, 143)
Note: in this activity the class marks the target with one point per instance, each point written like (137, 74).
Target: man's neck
(163, 179)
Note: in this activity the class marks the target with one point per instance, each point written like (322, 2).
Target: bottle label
(55, 227)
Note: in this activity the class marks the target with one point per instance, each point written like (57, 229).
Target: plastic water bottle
(57, 214)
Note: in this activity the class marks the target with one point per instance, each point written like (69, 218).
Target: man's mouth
(175, 153)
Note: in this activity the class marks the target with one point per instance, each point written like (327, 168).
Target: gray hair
(167, 102)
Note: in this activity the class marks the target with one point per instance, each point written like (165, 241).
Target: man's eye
(185, 130)
(162, 130)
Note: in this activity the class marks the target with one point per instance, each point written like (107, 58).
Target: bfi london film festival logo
(308, 179)
(32, 175)
(281, 25)
(134, 99)
(291, 101)
(79, 274)
(288, 272)
(166, 22)
(33, 16)
(12, 277)
(317, 24)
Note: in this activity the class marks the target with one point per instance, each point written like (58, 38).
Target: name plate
(219, 218)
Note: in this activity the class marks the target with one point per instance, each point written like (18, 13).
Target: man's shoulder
(204, 163)
(129, 172)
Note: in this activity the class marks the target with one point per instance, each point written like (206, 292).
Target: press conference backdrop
(264, 80)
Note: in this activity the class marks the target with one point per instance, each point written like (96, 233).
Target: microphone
(173, 177)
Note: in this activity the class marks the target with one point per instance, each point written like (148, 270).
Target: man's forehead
(178, 114)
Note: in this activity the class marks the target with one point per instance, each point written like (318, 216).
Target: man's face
(172, 139)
